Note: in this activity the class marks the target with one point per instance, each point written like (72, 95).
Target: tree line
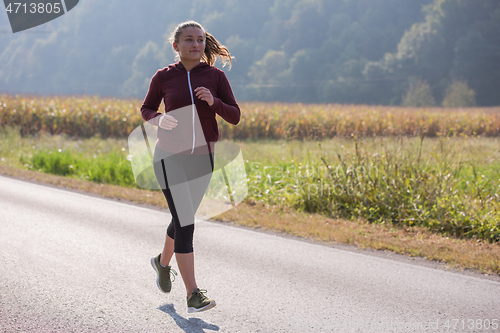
(389, 52)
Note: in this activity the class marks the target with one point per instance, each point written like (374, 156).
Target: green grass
(448, 185)
(110, 168)
(94, 159)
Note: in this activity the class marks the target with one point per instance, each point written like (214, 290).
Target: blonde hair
(213, 49)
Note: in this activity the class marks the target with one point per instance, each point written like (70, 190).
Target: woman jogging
(194, 92)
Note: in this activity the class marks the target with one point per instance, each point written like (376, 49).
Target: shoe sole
(157, 275)
(206, 307)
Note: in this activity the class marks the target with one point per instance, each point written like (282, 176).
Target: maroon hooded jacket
(176, 87)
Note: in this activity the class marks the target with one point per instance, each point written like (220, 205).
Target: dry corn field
(88, 116)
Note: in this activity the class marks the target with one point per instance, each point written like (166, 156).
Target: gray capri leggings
(183, 179)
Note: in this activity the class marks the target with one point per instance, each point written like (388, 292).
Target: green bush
(458, 94)
(419, 94)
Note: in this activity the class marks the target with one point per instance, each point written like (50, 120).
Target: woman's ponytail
(214, 49)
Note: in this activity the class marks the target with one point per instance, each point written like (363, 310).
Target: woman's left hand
(205, 95)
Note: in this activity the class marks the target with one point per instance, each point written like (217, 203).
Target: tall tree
(458, 40)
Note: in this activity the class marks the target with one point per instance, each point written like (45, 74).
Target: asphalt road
(76, 263)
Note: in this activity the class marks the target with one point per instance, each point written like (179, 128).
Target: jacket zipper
(192, 104)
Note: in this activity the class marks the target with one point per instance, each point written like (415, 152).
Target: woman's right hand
(167, 122)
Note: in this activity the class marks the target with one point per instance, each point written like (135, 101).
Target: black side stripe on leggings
(212, 161)
(164, 173)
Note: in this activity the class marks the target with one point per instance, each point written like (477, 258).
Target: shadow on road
(191, 325)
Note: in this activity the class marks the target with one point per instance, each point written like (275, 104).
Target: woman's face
(191, 45)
